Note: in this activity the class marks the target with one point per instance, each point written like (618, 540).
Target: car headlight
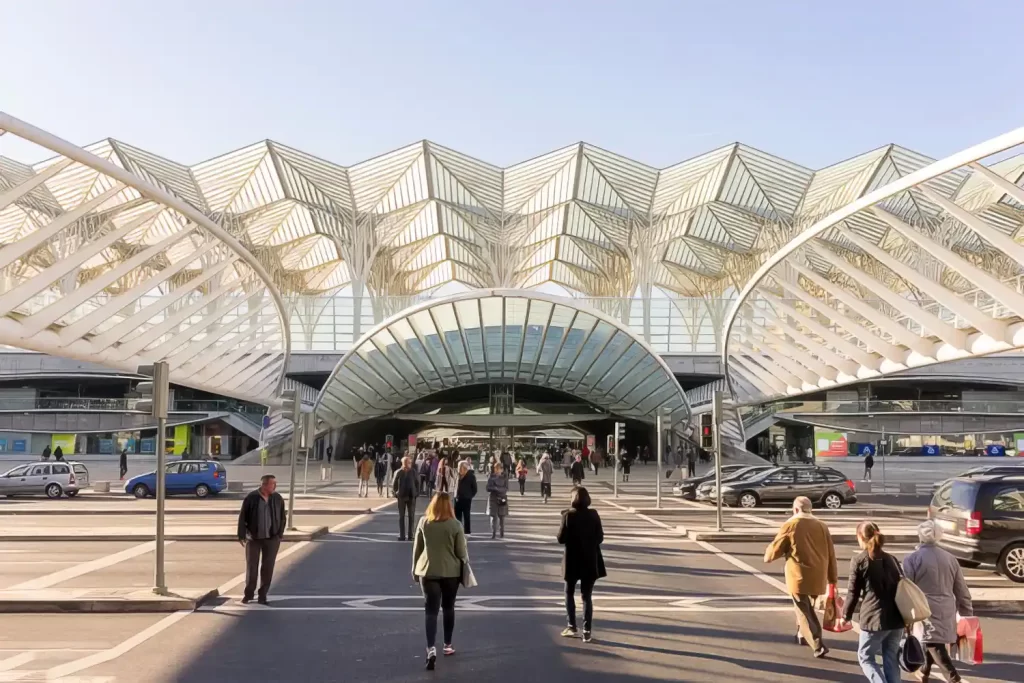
(727, 489)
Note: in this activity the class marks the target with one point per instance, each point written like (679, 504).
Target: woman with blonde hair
(438, 554)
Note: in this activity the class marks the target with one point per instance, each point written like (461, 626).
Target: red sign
(591, 441)
(412, 443)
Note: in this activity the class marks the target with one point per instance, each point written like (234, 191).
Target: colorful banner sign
(930, 449)
(19, 446)
(181, 439)
(865, 449)
(65, 441)
(829, 444)
(995, 450)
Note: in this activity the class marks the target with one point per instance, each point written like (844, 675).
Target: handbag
(833, 612)
(911, 653)
(467, 578)
(911, 600)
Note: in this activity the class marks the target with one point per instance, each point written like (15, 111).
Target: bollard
(236, 486)
(864, 487)
(908, 487)
(101, 487)
(326, 473)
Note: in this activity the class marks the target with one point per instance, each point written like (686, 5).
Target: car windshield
(959, 495)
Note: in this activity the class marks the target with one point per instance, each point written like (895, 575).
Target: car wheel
(749, 499)
(54, 491)
(71, 494)
(833, 501)
(202, 491)
(141, 491)
(1011, 564)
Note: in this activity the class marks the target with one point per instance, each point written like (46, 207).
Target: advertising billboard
(829, 444)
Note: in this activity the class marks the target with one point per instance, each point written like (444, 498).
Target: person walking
(497, 501)
(577, 471)
(581, 534)
(545, 469)
(380, 473)
(869, 462)
(261, 523)
(805, 542)
(937, 573)
(506, 463)
(58, 454)
(465, 492)
(122, 462)
(438, 554)
(627, 463)
(691, 464)
(874, 575)
(446, 479)
(364, 470)
(330, 453)
(46, 453)
(595, 460)
(521, 472)
(406, 487)
(567, 461)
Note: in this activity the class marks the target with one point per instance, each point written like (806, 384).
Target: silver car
(52, 479)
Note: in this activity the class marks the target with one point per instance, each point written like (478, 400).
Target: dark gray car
(823, 485)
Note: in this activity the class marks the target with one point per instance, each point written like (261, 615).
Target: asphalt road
(345, 609)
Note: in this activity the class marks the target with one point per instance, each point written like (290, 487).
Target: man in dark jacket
(261, 523)
(464, 495)
(577, 471)
(406, 486)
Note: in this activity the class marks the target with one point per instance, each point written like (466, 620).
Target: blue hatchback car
(201, 477)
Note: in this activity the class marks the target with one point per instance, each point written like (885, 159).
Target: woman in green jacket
(438, 554)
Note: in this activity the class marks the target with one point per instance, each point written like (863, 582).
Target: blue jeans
(886, 643)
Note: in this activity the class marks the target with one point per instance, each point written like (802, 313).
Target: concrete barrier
(101, 487)
(908, 487)
(236, 486)
(863, 487)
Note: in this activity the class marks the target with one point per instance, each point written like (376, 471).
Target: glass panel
(515, 319)
(651, 385)
(491, 308)
(588, 356)
(398, 360)
(612, 354)
(536, 324)
(640, 372)
(469, 317)
(423, 325)
(574, 342)
(415, 354)
(560, 320)
(378, 372)
(447, 324)
(625, 364)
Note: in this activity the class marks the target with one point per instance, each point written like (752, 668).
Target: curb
(110, 605)
(188, 511)
(999, 606)
(289, 536)
(748, 536)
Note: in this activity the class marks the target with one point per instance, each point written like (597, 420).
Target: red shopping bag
(833, 612)
(969, 643)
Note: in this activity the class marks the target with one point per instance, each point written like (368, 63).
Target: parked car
(984, 470)
(704, 490)
(52, 479)
(982, 520)
(823, 485)
(687, 488)
(201, 477)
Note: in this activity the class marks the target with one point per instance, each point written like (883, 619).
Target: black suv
(982, 519)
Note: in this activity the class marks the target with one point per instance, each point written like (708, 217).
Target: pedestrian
(506, 463)
(937, 573)
(446, 480)
(123, 462)
(581, 534)
(264, 456)
(577, 471)
(627, 462)
(364, 470)
(806, 543)
(545, 469)
(691, 463)
(521, 472)
(261, 524)
(869, 462)
(58, 454)
(874, 575)
(810, 455)
(380, 473)
(465, 492)
(567, 461)
(330, 453)
(595, 460)
(497, 500)
(438, 555)
(46, 453)
(406, 487)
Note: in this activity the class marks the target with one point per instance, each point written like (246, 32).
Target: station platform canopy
(494, 336)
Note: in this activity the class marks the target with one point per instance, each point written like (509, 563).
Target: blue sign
(20, 446)
(148, 446)
(865, 449)
(995, 449)
(106, 445)
(3, 444)
(266, 422)
(930, 449)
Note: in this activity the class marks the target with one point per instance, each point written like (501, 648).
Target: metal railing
(253, 413)
(900, 406)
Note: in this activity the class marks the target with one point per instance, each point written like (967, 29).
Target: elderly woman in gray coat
(497, 499)
(937, 573)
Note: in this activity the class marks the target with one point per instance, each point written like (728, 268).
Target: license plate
(946, 525)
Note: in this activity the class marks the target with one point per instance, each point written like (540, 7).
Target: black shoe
(401, 538)
(246, 599)
(586, 637)
(821, 652)
(263, 601)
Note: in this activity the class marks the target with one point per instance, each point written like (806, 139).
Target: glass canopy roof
(496, 336)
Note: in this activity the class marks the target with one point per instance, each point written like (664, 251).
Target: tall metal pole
(716, 407)
(159, 579)
(881, 454)
(615, 464)
(657, 498)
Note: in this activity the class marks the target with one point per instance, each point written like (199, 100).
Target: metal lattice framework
(927, 268)
(500, 336)
(100, 264)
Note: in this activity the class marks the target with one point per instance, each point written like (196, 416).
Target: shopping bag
(468, 579)
(969, 647)
(833, 612)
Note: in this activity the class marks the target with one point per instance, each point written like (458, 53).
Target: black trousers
(937, 653)
(124, 470)
(439, 594)
(406, 509)
(522, 487)
(463, 507)
(586, 591)
(566, 472)
(691, 468)
(260, 557)
(545, 490)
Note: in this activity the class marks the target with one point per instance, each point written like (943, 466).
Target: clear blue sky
(814, 81)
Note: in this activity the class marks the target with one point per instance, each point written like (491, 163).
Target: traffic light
(620, 432)
(707, 431)
(154, 393)
(291, 404)
(390, 440)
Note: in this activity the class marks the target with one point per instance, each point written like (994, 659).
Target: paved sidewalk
(55, 600)
(219, 532)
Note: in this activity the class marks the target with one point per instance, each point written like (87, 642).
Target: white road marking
(770, 580)
(16, 661)
(759, 520)
(237, 608)
(50, 580)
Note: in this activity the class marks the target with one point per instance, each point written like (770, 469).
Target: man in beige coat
(806, 543)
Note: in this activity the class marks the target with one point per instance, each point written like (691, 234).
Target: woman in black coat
(582, 535)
